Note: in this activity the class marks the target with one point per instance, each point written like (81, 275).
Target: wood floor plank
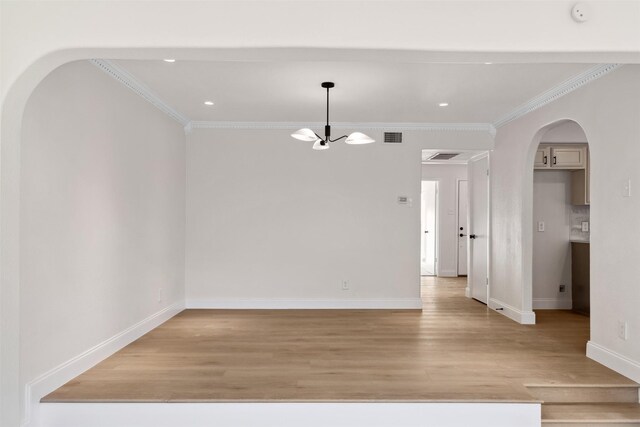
(455, 349)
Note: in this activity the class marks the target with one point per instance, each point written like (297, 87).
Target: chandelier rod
(327, 128)
(327, 106)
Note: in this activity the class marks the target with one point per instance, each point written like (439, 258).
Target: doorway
(560, 256)
(479, 228)
(429, 218)
(463, 226)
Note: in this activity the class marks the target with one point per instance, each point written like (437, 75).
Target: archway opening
(560, 221)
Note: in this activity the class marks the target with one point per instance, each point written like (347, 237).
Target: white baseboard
(552, 304)
(293, 304)
(612, 360)
(447, 273)
(522, 317)
(60, 375)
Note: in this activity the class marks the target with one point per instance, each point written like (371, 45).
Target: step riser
(585, 394)
(598, 424)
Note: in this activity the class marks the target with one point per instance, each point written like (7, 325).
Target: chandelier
(319, 143)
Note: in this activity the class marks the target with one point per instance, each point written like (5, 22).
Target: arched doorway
(560, 219)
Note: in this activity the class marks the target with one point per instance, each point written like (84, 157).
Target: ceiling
(365, 92)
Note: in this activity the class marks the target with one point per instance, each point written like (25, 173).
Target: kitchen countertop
(579, 241)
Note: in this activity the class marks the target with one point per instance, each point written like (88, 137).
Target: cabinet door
(568, 157)
(542, 158)
(580, 281)
(580, 187)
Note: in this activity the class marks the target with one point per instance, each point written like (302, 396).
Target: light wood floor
(454, 350)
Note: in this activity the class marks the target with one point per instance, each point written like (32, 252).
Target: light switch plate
(585, 226)
(626, 190)
(540, 225)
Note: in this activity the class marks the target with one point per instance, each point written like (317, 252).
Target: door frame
(468, 292)
(458, 181)
(437, 226)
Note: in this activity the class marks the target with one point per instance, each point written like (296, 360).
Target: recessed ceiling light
(208, 102)
(169, 60)
(443, 104)
(488, 63)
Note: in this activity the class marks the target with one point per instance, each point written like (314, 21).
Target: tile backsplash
(578, 215)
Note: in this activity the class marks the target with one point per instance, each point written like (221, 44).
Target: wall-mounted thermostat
(404, 200)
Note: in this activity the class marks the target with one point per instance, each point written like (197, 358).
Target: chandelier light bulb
(305, 134)
(357, 138)
(318, 145)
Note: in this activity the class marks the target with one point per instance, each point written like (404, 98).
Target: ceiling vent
(392, 137)
(443, 156)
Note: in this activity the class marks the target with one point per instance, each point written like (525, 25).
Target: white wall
(268, 218)
(551, 248)
(447, 177)
(102, 215)
(608, 110)
(565, 132)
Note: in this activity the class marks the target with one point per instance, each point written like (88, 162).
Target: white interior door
(428, 229)
(463, 228)
(478, 227)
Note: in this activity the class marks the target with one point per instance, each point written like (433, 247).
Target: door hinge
(487, 281)
(487, 172)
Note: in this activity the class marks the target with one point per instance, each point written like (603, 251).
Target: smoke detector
(581, 12)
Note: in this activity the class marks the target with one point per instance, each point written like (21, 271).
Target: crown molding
(127, 79)
(557, 92)
(428, 127)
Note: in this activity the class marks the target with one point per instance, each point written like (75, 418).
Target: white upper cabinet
(542, 157)
(573, 157)
(569, 157)
(559, 156)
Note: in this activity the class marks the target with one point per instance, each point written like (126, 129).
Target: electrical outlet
(585, 226)
(345, 285)
(541, 226)
(562, 288)
(160, 295)
(622, 330)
